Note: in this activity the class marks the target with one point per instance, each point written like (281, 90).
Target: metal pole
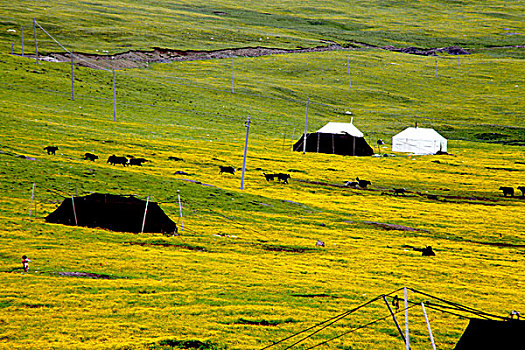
(12, 44)
(145, 212)
(180, 212)
(36, 44)
(394, 318)
(22, 38)
(233, 73)
(407, 336)
(428, 326)
(114, 99)
(305, 125)
(72, 80)
(348, 66)
(436, 65)
(459, 65)
(245, 150)
(74, 211)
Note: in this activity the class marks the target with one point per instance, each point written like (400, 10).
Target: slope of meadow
(246, 271)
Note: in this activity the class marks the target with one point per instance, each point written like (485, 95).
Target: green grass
(246, 271)
(130, 24)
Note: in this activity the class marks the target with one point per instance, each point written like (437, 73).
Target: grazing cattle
(319, 243)
(507, 191)
(51, 149)
(353, 184)
(398, 191)
(427, 251)
(269, 177)
(363, 183)
(283, 177)
(113, 160)
(137, 161)
(90, 156)
(226, 169)
(522, 189)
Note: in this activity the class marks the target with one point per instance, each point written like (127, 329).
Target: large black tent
(113, 212)
(335, 138)
(492, 335)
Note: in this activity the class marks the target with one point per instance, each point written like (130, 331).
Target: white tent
(419, 141)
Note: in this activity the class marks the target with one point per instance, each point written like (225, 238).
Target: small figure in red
(25, 262)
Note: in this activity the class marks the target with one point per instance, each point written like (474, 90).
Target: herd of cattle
(281, 177)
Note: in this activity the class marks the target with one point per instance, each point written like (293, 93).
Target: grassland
(246, 271)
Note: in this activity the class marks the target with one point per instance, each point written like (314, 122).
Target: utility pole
(348, 66)
(305, 125)
(36, 44)
(72, 79)
(22, 38)
(180, 212)
(233, 73)
(114, 99)
(247, 125)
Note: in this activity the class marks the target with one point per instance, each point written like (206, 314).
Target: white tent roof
(340, 128)
(420, 134)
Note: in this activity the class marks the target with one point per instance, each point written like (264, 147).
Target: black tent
(336, 138)
(112, 212)
(492, 335)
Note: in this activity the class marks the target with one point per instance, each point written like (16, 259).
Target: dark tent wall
(492, 335)
(112, 212)
(343, 144)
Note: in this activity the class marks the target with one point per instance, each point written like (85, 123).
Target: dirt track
(136, 59)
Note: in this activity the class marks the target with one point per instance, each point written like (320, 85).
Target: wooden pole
(305, 125)
(12, 44)
(144, 219)
(74, 210)
(436, 65)
(36, 43)
(407, 336)
(395, 320)
(245, 150)
(180, 212)
(114, 99)
(428, 326)
(72, 79)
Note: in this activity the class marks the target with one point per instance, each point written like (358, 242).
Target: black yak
(51, 149)
(113, 160)
(90, 156)
(507, 191)
(269, 177)
(363, 183)
(283, 177)
(398, 191)
(137, 161)
(226, 169)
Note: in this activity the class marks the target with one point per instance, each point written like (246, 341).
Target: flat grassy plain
(246, 271)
